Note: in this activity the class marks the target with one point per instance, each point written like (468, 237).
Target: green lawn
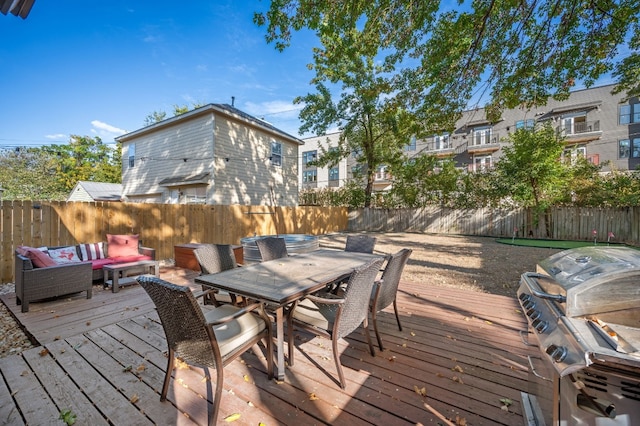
(556, 244)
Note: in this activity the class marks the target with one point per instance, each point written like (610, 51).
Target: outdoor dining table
(281, 282)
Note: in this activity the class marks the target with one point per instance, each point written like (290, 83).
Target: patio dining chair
(271, 248)
(211, 338)
(214, 258)
(360, 243)
(335, 317)
(386, 289)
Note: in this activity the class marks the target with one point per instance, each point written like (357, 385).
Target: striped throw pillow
(91, 251)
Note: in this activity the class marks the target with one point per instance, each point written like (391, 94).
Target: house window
(309, 156)
(411, 146)
(442, 141)
(629, 114)
(482, 163)
(276, 154)
(356, 153)
(132, 154)
(623, 148)
(481, 135)
(309, 176)
(334, 174)
(195, 195)
(527, 124)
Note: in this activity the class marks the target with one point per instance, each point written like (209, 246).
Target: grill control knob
(540, 325)
(524, 297)
(533, 314)
(557, 353)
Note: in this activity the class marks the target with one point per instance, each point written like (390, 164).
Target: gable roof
(97, 191)
(224, 109)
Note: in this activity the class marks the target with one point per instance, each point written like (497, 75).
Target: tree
(30, 174)
(370, 125)
(519, 52)
(86, 159)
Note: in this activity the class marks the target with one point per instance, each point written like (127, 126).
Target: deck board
(106, 358)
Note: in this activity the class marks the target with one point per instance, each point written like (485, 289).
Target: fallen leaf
(127, 368)
(488, 322)
(88, 323)
(458, 369)
(141, 367)
(232, 417)
(246, 378)
(506, 401)
(56, 338)
(44, 352)
(392, 358)
(250, 404)
(413, 334)
(457, 379)
(24, 373)
(461, 421)
(135, 398)
(420, 391)
(312, 397)
(505, 408)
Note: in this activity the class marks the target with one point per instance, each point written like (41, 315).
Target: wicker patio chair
(271, 248)
(334, 317)
(214, 258)
(360, 243)
(386, 289)
(211, 338)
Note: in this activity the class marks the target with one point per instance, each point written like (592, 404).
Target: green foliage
(521, 53)
(50, 172)
(68, 417)
(154, 117)
(351, 195)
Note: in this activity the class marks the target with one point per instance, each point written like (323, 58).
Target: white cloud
(281, 109)
(57, 136)
(105, 130)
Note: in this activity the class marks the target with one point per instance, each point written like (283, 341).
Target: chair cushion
(130, 258)
(235, 333)
(122, 245)
(39, 258)
(309, 313)
(65, 255)
(99, 263)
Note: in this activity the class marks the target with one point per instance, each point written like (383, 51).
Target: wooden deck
(459, 356)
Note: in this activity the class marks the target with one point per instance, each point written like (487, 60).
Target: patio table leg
(280, 341)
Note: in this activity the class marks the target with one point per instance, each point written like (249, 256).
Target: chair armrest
(237, 314)
(147, 251)
(325, 298)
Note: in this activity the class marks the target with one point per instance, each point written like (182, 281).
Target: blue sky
(100, 68)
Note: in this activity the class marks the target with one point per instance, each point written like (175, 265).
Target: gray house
(95, 191)
(215, 154)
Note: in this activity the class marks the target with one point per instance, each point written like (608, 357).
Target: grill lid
(600, 281)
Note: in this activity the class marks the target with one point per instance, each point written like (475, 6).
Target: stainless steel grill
(583, 309)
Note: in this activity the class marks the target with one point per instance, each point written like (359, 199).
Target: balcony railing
(579, 127)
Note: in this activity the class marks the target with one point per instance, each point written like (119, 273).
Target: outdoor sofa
(47, 272)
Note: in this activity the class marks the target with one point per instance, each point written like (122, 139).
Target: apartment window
(356, 153)
(309, 156)
(334, 174)
(570, 156)
(442, 141)
(357, 170)
(635, 148)
(132, 154)
(576, 123)
(309, 176)
(411, 146)
(276, 154)
(481, 135)
(482, 163)
(527, 124)
(629, 114)
(381, 173)
(623, 148)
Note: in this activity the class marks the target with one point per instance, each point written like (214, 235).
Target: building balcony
(582, 131)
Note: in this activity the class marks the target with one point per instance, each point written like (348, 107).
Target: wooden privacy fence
(160, 226)
(563, 223)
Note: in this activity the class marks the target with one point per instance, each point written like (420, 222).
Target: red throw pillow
(122, 245)
(39, 258)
